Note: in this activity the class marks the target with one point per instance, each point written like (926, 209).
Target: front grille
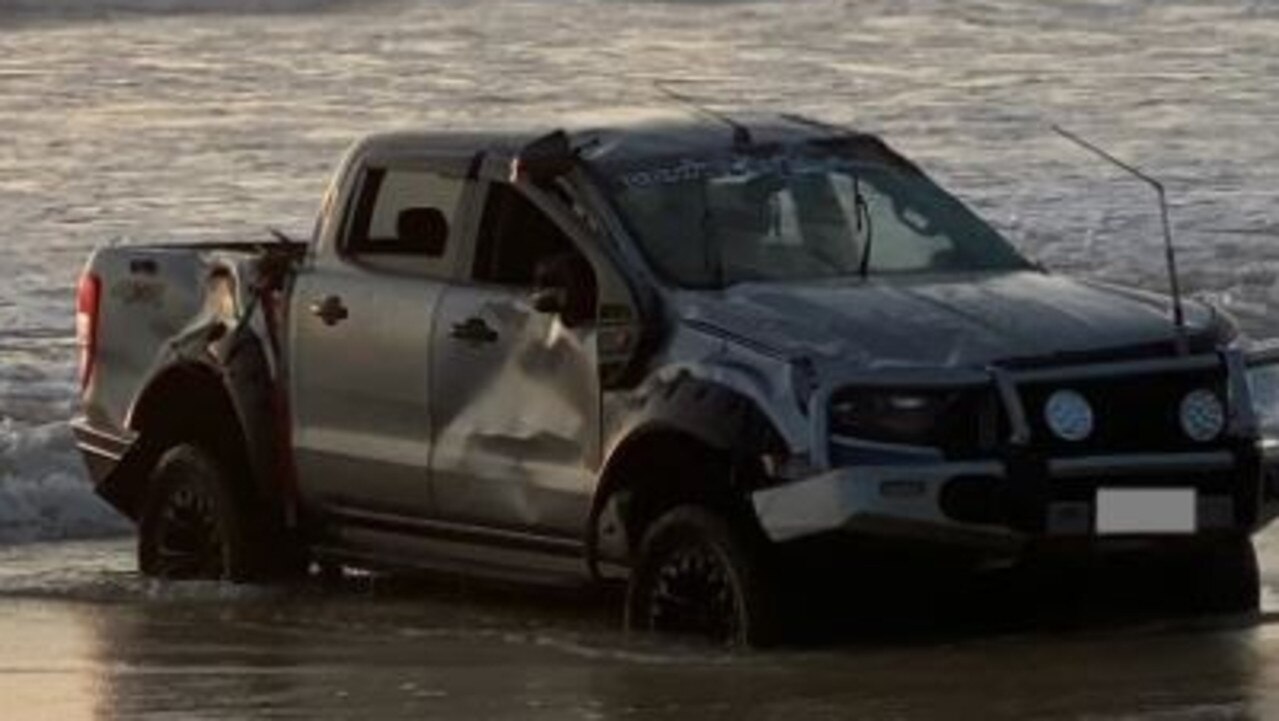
(1132, 414)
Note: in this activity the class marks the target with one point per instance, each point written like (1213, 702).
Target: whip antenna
(1170, 254)
(741, 134)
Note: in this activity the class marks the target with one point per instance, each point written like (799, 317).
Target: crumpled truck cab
(668, 350)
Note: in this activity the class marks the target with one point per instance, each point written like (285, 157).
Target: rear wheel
(192, 525)
(697, 575)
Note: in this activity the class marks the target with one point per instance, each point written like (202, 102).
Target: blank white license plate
(1146, 510)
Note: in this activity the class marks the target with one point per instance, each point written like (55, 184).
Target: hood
(945, 321)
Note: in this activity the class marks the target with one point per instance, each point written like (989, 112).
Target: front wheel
(192, 527)
(696, 575)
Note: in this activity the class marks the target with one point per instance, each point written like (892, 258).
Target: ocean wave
(101, 8)
(44, 494)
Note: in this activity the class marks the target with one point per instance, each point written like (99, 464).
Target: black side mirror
(544, 159)
(549, 300)
(422, 231)
(565, 284)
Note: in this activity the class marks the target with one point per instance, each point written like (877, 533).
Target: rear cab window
(404, 220)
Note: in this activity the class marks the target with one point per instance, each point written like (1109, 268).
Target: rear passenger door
(361, 338)
(515, 391)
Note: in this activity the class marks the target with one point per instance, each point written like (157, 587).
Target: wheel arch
(228, 407)
(692, 440)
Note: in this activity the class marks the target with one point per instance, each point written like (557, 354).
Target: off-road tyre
(193, 525)
(699, 575)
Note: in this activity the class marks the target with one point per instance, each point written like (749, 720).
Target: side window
(404, 213)
(519, 245)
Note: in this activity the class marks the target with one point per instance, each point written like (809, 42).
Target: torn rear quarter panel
(186, 345)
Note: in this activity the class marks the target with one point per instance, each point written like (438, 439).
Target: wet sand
(81, 636)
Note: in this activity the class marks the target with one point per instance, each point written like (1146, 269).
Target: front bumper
(1004, 504)
(1025, 491)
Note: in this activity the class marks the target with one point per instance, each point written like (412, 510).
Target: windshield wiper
(712, 252)
(862, 210)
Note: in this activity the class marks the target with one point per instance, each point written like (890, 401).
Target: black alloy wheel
(189, 528)
(696, 577)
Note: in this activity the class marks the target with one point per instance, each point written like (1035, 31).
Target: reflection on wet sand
(83, 637)
(430, 650)
(48, 662)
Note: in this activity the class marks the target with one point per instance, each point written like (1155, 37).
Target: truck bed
(158, 300)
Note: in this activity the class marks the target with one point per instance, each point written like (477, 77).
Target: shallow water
(93, 640)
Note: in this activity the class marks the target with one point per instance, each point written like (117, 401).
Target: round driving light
(1068, 415)
(1202, 415)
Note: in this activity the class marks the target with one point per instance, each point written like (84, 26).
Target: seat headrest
(423, 230)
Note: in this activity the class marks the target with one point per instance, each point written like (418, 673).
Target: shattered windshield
(800, 212)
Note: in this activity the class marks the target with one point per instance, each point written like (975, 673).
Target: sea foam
(44, 493)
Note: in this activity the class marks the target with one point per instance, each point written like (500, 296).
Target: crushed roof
(624, 138)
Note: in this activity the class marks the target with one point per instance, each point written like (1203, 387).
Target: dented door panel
(515, 409)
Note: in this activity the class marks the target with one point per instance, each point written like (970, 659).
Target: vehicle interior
(520, 245)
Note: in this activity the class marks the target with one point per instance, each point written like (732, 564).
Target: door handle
(475, 330)
(330, 310)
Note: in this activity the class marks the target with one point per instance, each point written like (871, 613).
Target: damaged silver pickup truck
(669, 351)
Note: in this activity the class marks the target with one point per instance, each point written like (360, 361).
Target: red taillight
(88, 295)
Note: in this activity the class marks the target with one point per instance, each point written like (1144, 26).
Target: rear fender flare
(222, 394)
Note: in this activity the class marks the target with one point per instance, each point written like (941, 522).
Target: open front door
(515, 395)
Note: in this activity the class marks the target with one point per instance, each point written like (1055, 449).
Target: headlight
(1263, 388)
(1069, 415)
(1202, 415)
(891, 416)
